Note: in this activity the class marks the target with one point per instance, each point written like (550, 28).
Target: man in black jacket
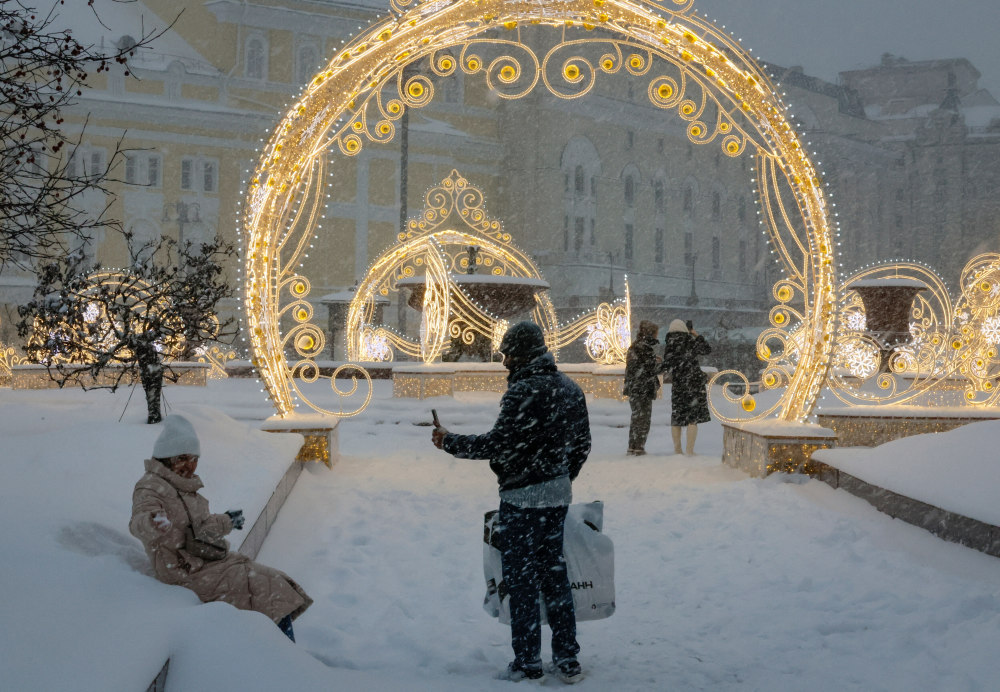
(536, 448)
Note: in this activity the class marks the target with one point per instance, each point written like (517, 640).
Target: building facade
(595, 189)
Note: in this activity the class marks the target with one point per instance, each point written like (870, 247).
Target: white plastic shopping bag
(590, 562)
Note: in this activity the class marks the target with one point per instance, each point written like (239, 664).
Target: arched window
(716, 252)
(716, 206)
(660, 232)
(688, 201)
(256, 58)
(579, 184)
(306, 63)
(659, 198)
(741, 209)
(629, 191)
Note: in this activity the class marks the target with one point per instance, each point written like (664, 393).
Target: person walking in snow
(180, 535)
(642, 368)
(536, 448)
(688, 393)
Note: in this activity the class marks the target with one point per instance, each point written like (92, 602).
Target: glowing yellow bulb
(302, 314)
(748, 403)
(508, 73)
(664, 91)
(572, 72)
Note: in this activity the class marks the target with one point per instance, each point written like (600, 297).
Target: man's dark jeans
(638, 429)
(531, 552)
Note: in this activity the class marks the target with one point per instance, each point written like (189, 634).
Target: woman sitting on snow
(174, 524)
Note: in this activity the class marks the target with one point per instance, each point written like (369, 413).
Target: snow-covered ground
(723, 582)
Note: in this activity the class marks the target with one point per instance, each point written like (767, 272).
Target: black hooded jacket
(542, 432)
(641, 369)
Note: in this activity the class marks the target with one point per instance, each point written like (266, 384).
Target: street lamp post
(691, 259)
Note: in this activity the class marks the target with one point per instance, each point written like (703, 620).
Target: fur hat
(647, 328)
(677, 326)
(523, 341)
(177, 437)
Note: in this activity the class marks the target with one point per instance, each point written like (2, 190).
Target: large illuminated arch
(515, 45)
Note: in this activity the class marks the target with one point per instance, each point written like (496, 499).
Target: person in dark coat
(536, 448)
(689, 392)
(642, 368)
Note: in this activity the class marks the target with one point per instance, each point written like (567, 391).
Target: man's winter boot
(516, 672)
(569, 671)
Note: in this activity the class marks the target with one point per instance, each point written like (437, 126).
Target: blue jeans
(531, 553)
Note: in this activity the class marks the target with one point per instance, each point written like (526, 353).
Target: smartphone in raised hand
(434, 415)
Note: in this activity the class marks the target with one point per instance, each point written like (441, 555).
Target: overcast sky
(826, 37)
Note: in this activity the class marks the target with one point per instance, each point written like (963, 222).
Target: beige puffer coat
(235, 579)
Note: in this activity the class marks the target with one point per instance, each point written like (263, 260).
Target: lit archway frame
(711, 82)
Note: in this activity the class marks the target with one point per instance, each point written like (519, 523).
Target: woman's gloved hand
(237, 517)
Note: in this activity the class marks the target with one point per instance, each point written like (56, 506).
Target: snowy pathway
(723, 582)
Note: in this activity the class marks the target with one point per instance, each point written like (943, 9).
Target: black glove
(237, 516)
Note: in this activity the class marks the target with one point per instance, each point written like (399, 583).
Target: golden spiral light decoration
(700, 71)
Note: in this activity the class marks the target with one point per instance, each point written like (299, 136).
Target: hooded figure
(166, 503)
(689, 392)
(642, 382)
(536, 448)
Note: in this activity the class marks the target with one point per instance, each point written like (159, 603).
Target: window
(688, 201)
(578, 180)
(659, 243)
(306, 63)
(593, 186)
(565, 234)
(199, 175)
(659, 199)
(451, 87)
(208, 171)
(187, 174)
(630, 190)
(256, 58)
(593, 231)
(578, 234)
(716, 206)
(143, 168)
(743, 256)
(629, 237)
(629, 139)
(741, 209)
(688, 243)
(716, 253)
(86, 163)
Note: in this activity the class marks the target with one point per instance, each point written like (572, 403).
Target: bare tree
(43, 70)
(105, 328)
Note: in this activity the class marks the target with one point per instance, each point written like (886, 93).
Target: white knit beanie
(677, 326)
(177, 437)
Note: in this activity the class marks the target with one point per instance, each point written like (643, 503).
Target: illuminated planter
(888, 310)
